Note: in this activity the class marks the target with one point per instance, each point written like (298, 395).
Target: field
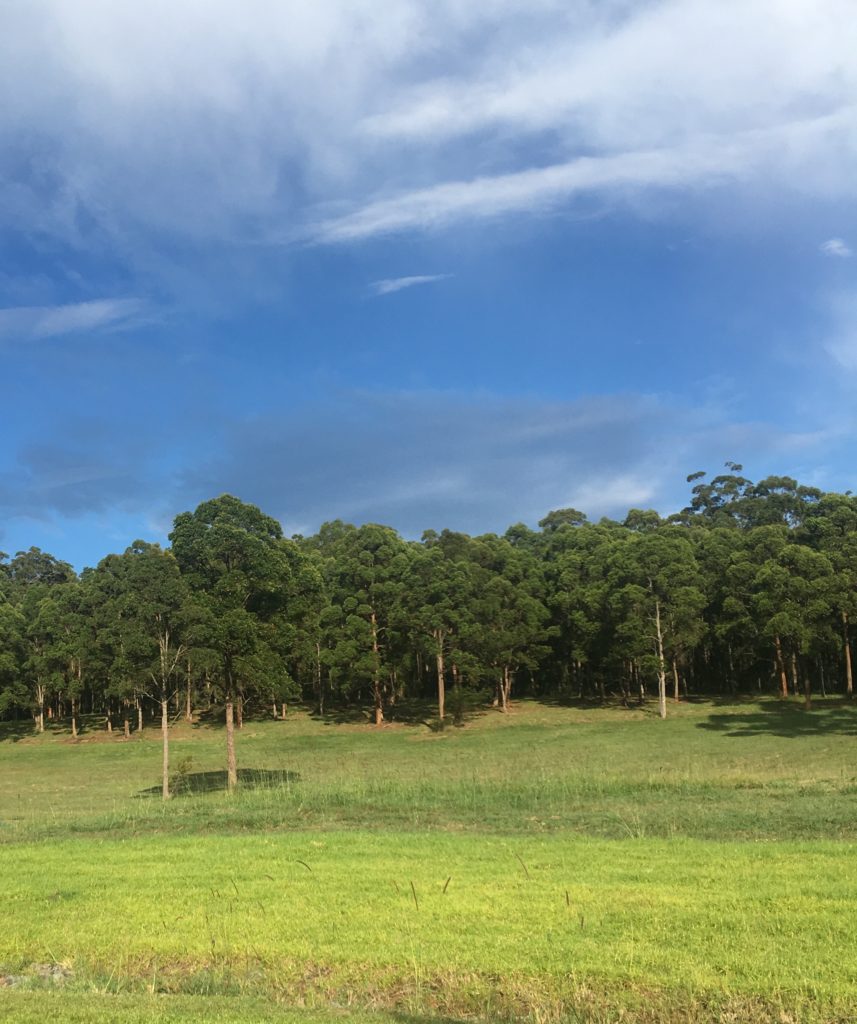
(552, 864)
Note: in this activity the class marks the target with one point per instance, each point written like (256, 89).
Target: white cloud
(233, 123)
(836, 247)
(396, 284)
(25, 323)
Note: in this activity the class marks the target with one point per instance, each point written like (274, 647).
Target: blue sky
(429, 264)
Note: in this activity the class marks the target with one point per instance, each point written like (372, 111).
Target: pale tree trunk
(441, 681)
(376, 677)
(126, 724)
(73, 718)
(239, 708)
(40, 697)
(849, 679)
(165, 739)
(283, 708)
(109, 717)
(139, 714)
(781, 668)
(319, 683)
(676, 693)
(188, 710)
(505, 688)
(231, 763)
(662, 671)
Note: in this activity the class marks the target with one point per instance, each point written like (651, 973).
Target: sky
(431, 264)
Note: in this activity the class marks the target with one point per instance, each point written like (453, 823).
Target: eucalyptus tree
(831, 528)
(29, 578)
(367, 574)
(14, 694)
(793, 595)
(233, 558)
(435, 607)
(577, 557)
(62, 642)
(655, 584)
(512, 621)
(143, 605)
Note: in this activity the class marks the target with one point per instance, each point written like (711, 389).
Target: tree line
(749, 589)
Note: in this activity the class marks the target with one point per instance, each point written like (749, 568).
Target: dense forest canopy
(749, 589)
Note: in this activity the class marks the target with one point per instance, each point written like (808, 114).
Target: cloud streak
(36, 323)
(389, 285)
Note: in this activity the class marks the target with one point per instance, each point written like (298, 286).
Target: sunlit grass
(593, 861)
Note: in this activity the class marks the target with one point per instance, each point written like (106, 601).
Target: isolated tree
(232, 557)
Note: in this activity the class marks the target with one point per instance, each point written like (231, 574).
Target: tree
(367, 574)
(232, 556)
(655, 585)
(143, 603)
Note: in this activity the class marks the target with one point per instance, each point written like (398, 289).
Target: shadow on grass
(412, 713)
(14, 732)
(214, 782)
(788, 719)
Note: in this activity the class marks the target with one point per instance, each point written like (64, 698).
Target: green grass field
(548, 865)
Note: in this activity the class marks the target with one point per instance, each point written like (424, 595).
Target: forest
(751, 589)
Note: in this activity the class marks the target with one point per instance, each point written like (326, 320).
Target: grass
(596, 863)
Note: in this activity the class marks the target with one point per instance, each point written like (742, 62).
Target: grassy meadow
(552, 864)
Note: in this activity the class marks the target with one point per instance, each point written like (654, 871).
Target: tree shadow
(411, 712)
(214, 782)
(788, 719)
(15, 731)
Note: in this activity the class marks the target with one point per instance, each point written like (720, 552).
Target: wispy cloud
(396, 284)
(237, 124)
(702, 162)
(31, 323)
(836, 247)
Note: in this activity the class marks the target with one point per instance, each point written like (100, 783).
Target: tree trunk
(377, 695)
(441, 681)
(239, 709)
(676, 693)
(505, 688)
(73, 718)
(109, 717)
(662, 671)
(807, 688)
(165, 739)
(781, 667)
(188, 709)
(126, 724)
(283, 708)
(319, 683)
(849, 679)
(231, 763)
(40, 697)
(139, 715)
(795, 684)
